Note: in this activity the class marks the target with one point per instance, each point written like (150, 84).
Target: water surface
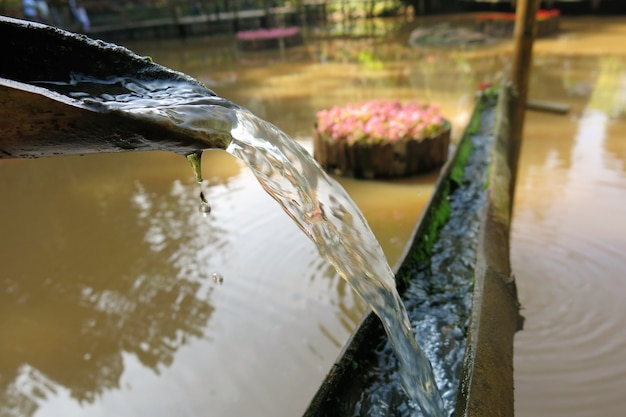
(107, 305)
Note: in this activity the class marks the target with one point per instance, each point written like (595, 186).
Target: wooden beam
(523, 38)
(547, 106)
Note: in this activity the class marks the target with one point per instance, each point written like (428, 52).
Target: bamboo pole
(523, 38)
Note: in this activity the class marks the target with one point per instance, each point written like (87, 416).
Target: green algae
(439, 210)
(458, 169)
(465, 145)
(195, 160)
(488, 177)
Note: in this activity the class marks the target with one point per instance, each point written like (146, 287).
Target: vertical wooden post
(523, 38)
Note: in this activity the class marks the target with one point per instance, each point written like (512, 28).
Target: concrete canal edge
(487, 385)
(486, 380)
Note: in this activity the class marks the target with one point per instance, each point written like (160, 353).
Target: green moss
(439, 210)
(488, 176)
(474, 124)
(195, 160)
(457, 173)
(437, 215)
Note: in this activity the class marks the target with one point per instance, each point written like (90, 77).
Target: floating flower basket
(381, 139)
(276, 38)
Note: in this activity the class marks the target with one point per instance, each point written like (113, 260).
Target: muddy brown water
(107, 301)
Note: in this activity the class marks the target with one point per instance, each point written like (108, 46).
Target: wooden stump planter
(400, 154)
(381, 160)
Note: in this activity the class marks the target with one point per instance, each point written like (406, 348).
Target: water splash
(318, 204)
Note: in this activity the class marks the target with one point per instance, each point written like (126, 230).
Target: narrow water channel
(108, 304)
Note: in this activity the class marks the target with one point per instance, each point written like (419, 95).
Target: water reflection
(567, 251)
(615, 145)
(109, 291)
(133, 284)
(107, 305)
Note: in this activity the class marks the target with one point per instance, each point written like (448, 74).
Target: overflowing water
(318, 204)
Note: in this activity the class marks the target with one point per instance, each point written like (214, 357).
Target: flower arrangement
(377, 121)
(381, 139)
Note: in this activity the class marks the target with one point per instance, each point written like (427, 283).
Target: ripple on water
(571, 280)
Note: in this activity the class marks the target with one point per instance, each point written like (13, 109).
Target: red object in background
(541, 15)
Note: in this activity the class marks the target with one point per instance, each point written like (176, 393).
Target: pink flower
(382, 120)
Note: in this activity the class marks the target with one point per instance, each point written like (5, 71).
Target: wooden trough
(485, 377)
(37, 121)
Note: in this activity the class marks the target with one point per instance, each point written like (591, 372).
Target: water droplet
(205, 207)
(217, 278)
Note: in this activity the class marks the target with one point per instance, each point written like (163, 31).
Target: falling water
(319, 205)
(195, 160)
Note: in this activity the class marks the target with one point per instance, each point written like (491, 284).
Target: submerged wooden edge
(333, 398)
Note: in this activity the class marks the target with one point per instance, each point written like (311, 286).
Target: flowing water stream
(318, 204)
